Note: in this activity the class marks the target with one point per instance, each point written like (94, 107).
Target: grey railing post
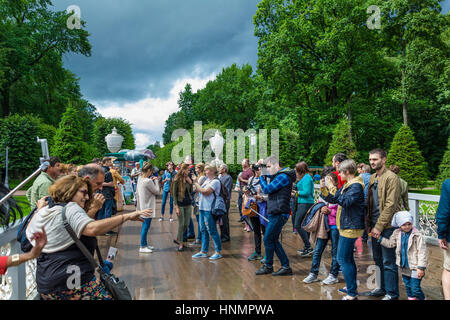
(414, 209)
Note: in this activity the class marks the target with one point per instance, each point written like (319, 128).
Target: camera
(251, 189)
(192, 173)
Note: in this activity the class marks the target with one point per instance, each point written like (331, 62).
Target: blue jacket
(443, 212)
(351, 198)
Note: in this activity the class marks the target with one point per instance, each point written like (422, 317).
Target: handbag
(116, 287)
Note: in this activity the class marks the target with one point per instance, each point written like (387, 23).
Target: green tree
(19, 134)
(33, 33)
(405, 153)
(175, 121)
(444, 168)
(68, 144)
(228, 100)
(154, 147)
(412, 30)
(341, 142)
(186, 102)
(104, 126)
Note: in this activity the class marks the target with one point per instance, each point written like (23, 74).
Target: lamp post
(253, 144)
(114, 141)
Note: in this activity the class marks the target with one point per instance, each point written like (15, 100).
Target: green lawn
(15, 182)
(427, 191)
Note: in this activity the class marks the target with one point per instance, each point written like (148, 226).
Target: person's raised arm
(100, 227)
(279, 182)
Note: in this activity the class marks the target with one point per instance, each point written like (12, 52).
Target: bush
(69, 146)
(19, 133)
(405, 153)
(341, 143)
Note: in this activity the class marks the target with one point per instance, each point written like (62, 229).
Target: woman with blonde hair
(207, 223)
(200, 171)
(181, 192)
(146, 191)
(72, 194)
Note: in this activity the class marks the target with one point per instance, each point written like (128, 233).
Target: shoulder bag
(116, 287)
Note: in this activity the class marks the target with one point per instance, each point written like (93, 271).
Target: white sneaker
(161, 219)
(151, 247)
(171, 219)
(145, 250)
(330, 280)
(310, 278)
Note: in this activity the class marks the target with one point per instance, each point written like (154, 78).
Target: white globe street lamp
(114, 141)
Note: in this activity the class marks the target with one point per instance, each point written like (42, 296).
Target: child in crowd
(411, 251)
(331, 180)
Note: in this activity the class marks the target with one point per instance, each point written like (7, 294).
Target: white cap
(402, 217)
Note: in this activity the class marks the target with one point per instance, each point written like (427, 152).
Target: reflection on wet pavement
(168, 274)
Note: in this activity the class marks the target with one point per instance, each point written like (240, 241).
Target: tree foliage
(104, 126)
(405, 153)
(444, 168)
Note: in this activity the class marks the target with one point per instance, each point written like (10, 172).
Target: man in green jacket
(39, 189)
(383, 201)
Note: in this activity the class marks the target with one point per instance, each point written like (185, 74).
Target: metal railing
(423, 207)
(19, 283)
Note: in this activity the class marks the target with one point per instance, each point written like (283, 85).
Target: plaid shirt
(279, 182)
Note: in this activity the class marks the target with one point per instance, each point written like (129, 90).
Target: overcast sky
(145, 51)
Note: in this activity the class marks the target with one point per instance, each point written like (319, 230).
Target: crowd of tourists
(353, 203)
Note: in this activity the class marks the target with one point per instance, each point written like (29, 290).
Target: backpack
(223, 191)
(218, 207)
(25, 245)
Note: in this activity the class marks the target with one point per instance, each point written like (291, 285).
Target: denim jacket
(351, 198)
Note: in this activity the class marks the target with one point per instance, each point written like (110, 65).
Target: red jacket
(341, 182)
(3, 263)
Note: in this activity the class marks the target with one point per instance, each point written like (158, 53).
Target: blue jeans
(385, 259)
(271, 243)
(240, 202)
(208, 228)
(144, 231)
(106, 210)
(321, 244)
(302, 210)
(190, 232)
(199, 232)
(347, 262)
(164, 199)
(413, 289)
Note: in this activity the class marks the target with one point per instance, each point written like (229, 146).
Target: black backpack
(223, 192)
(25, 245)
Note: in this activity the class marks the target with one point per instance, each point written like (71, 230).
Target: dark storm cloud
(140, 47)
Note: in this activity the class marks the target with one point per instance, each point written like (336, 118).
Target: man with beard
(383, 201)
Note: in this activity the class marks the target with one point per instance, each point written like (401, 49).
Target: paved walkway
(168, 274)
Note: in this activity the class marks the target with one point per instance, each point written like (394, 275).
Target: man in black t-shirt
(108, 192)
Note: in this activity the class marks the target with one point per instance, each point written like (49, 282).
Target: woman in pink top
(333, 234)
